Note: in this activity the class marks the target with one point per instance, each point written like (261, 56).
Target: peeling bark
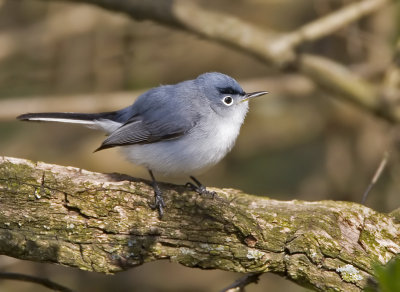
(103, 223)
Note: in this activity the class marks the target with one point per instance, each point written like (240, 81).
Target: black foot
(158, 199)
(199, 188)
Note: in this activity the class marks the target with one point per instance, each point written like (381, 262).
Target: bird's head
(224, 93)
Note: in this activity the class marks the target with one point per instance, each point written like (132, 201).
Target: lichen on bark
(103, 223)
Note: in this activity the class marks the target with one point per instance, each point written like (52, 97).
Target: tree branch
(33, 279)
(269, 46)
(103, 223)
(240, 284)
(328, 24)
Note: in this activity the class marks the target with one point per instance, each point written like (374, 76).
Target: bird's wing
(151, 126)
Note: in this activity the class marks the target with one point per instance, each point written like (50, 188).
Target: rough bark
(103, 223)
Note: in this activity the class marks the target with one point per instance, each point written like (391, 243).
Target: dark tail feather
(78, 118)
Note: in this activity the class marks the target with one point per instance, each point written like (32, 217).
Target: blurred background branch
(37, 280)
(264, 44)
(327, 25)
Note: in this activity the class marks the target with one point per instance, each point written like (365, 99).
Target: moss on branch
(103, 223)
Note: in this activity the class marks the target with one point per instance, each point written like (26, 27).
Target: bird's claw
(158, 201)
(199, 188)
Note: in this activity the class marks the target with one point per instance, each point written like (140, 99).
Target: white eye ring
(228, 100)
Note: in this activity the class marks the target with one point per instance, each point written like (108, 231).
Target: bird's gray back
(163, 113)
(170, 104)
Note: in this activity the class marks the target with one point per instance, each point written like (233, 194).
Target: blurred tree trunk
(103, 223)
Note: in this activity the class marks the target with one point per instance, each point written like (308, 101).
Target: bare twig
(376, 176)
(326, 25)
(241, 283)
(33, 279)
(350, 86)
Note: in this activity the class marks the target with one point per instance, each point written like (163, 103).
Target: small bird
(175, 130)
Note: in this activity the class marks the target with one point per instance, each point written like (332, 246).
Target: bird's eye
(228, 100)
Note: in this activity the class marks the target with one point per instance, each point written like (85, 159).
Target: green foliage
(387, 277)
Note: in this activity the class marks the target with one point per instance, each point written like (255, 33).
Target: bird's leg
(158, 200)
(199, 188)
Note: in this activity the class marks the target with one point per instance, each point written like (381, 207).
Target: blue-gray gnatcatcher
(180, 129)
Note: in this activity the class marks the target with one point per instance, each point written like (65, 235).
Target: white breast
(204, 146)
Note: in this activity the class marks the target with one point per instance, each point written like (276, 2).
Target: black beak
(253, 94)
